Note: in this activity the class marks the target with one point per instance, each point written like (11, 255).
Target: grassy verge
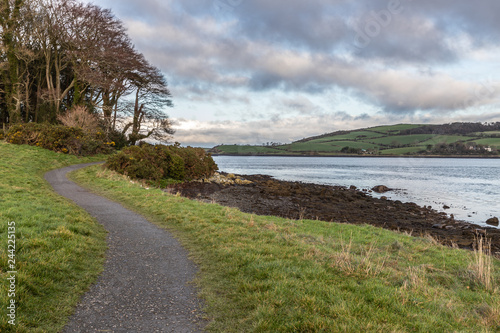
(59, 248)
(267, 274)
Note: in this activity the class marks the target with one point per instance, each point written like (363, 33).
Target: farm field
(393, 140)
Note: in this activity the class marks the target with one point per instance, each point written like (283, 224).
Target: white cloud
(278, 60)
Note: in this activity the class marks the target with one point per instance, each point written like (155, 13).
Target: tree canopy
(58, 54)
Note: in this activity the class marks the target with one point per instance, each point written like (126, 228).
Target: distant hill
(455, 139)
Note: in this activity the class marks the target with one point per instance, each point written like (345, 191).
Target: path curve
(145, 284)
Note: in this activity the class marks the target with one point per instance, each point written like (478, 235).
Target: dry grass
(481, 268)
(80, 117)
(363, 263)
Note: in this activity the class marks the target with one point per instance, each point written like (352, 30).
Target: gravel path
(145, 284)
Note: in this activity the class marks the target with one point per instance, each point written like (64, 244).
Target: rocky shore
(264, 195)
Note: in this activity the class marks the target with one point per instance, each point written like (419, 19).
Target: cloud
(282, 51)
(405, 58)
(286, 130)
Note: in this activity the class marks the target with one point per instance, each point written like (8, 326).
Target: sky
(257, 71)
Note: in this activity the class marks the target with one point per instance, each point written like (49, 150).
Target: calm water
(471, 187)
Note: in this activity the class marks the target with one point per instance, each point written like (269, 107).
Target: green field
(402, 140)
(383, 140)
(334, 146)
(358, 135)
(402, 151)
(493, 142)
(448, 139)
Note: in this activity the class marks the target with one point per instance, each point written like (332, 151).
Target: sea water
(470, 187)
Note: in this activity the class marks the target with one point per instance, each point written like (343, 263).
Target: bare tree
(148, 117)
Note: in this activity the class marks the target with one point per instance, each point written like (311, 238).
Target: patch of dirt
(297, 200)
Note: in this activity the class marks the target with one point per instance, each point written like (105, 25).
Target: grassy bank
(268, 274)
(59, 248)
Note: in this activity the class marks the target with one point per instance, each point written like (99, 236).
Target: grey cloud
(300, 46)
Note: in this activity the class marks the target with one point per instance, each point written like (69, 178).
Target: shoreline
(264, 195)
(364, 156)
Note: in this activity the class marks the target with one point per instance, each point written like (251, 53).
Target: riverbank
(265, 195)
(362, 156)
(272, 274)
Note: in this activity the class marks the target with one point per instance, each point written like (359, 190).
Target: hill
(455, 139)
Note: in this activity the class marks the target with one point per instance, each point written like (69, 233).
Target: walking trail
(145, 284)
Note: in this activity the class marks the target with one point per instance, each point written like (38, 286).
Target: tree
(10, 12)
(57, 54)
(151, 97)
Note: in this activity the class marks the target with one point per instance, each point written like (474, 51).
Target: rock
(240, 181)
(493, 221)
(381, 189)
(352, 187)
(446, 207)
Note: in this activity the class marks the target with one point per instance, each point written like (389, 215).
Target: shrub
(68, 140)
(159, 163)
(2, 134)
(118, 138)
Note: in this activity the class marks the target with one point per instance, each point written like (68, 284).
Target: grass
(59, 248)
(269, 274)
(493, 142)
(333, 146)
(402, 151)
(357, 135)
(447, 139)
(402, 139)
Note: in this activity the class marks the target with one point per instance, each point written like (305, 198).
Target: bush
(160, 163)
(68, 140)
(118, 138)
(2, 134)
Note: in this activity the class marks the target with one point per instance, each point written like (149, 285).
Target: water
(470, 187)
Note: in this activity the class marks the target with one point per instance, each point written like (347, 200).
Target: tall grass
(481, 266)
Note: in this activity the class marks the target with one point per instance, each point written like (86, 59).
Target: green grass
(269, 274)
(357, 135)
(334, 146)
(59, 248)
(402, 151)
(447, 139)
(492, 142)
(402, 139)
